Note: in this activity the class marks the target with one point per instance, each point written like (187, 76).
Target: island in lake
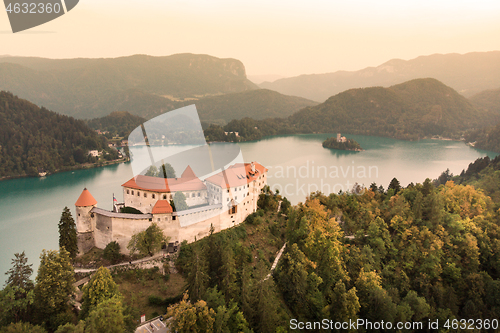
(340, 142)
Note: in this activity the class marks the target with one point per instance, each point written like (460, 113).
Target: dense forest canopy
(487, 138)
(33, 138)
(409, 111)
(118, 123)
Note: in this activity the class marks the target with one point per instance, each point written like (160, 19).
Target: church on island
(222, 200)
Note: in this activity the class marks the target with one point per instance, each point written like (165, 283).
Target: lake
(30, 208)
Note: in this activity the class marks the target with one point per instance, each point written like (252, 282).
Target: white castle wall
(84, 221)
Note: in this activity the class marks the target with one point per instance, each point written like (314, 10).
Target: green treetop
(100, 288)
(148, 241)
(67, 233)
(54, 284)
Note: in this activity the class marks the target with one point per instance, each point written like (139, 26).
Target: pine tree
(67, 233)
(20, 273)
(198, 277)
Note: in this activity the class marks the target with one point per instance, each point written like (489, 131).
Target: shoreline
(73, 168)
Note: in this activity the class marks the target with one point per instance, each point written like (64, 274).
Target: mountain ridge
(467, 73)
(76, 87)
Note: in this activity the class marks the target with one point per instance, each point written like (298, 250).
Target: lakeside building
(222, 200)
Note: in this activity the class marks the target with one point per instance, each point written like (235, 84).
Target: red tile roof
(187, 182)
(162, 207)
(86, 199)
(237, 175)
(188, 173)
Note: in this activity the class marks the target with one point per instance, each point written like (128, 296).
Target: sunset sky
(269, 37)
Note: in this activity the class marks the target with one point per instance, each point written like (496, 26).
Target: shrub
(130, 210)
(112, 252)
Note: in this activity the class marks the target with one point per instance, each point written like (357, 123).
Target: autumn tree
(67, 233)
(101, 287)
(148, 241)
(189, 317)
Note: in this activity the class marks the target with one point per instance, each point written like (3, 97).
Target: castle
(222, 200)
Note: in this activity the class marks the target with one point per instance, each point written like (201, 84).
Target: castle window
(192, 195)
(132, 192)
(199, 194)
(227, 199)
(159, 219)
(174, 217)
(145, 195)
(166, 218)
(128, 191)
(153, 196)
(138, 193)
(164, 197)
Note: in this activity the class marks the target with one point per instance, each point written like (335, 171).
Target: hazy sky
(269, 37)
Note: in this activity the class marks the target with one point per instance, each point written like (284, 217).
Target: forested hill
(257, 104)
(117, 123)
(466, 73)
(483, 174)
(89, 88)
(411, 110)
(487, 138)
(33, 137)
(488, 100)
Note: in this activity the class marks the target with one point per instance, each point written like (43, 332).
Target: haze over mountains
(145, 86)
(468, 74)
(83, 87)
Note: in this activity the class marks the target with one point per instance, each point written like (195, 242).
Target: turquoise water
(30, 208)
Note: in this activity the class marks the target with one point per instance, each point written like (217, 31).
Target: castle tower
(84, 221)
